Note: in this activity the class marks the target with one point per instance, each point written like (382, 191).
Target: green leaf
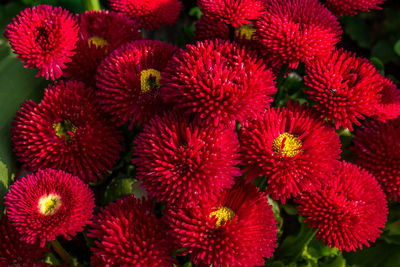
(378, 64)
(383, 50)
(396, 48)
(195, 12)
(358, 30)
(120, 187)
(52, 260)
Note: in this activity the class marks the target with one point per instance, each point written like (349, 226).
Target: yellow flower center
(223, 214)
(247, 31)
(287, 145)
(48, 205)
(65, 128)
(97, 41)
(149, 79)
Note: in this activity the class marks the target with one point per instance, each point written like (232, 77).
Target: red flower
(47, 204)
(296, 31)
(389, 105)
(232, 12)
(352, 7)
(292, 147)
(349, 210)
(44, 37)
(97, 38)
(149, 14)
(376, 147)
(129, 81)
(345, 87)
(183, 162)
(128, 233)
(218, 82)
(66, 131)
(237, 230)
(14, 252)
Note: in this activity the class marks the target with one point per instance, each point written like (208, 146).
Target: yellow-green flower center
(247, 31)
(97, 41)
(149, 79)
(223, 214)
(49, 204)
(287, 145)
(65, 128)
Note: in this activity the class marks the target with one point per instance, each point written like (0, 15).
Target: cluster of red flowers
(209, 129)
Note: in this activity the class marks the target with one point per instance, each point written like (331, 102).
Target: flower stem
(91, 4)
(64, 255)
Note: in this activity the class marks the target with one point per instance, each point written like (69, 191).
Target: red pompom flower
(352, 7)
(97, 38)
(66, 131)
(388, 106)
(149, 15)
(349, 210)
(237, 230)
(44, 37)
(376, 148)
(183, 162)
(345, 88)
(218, 82)
(127, 233)
(296, 31)
(47, 204)
(129, 81)
(292, 147)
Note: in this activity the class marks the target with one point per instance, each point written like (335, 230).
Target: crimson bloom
(349, 210)
(44, 37)
(47, 204)
(296, 31)
(183, 162)
(129, 81)
(352, 7)
(233, 12)
(292, 147)
(14, 252)
(149, 15)
(66, 131)
(239, 229)
(376, 148)
(97, 38)
(389, 105)
(345, 87)
(217, 81)
(127, 233)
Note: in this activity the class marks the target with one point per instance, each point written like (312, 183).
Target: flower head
(129, 81)
(66, 131)
(44, 37)
(296, 31)
(345, 87)
(376, 148)
(47, 204)
(149, 15)
(217, 81)
(127, 233)
(239, 229)
(388, 106)
(183, 162)
(233, 12)
(98, 38)
(352, 7)
(349, 210)
(292, 147)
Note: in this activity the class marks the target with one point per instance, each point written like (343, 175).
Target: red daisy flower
(66, 131)
(149, 15)
(352, 7)
(296, 31)
(376, 147)
(183, 162)
(232, 12)
(218, 82)
(97, 38)
(345, 87)
(389, 105)
(14, 252)
(349, 210)
(128, 233)
(292, 147)
(44, 37)
(237, 230)
(47, 204)
(129, 81)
